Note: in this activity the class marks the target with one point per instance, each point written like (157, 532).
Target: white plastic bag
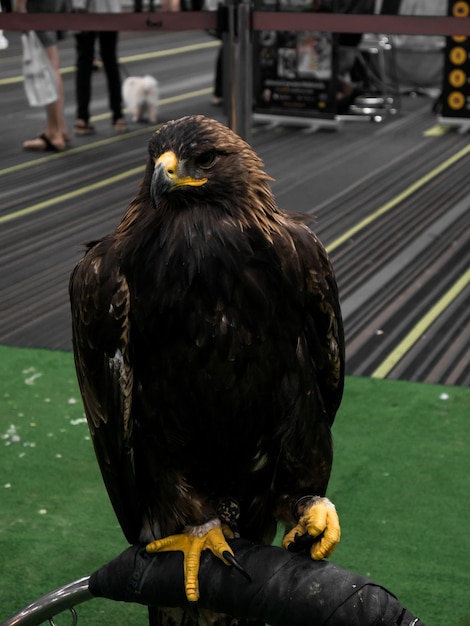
(39, 78)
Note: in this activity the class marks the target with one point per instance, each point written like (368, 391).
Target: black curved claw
(233, 561)
(194, 609)
(302, 543)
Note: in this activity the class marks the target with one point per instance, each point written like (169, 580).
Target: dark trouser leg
(108, 48)
(85, 44)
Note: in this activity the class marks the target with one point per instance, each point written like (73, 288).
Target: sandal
(42, 143)
(83, 128)
(120, 125)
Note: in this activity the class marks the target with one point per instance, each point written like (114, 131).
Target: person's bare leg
(56, 126)
(56, 129)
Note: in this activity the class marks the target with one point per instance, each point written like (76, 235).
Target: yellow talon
(319, 520)
(206, 537)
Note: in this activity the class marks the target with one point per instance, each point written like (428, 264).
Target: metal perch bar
(51, 604)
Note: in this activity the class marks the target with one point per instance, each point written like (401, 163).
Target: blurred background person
(54, 138)
(85, 47)
(3, 39)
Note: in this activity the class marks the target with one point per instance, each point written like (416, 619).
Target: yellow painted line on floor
(185, 96)
(399, 198)
(437, 130)
(156, 54)
(14, 79)
(421, 327)
(147, 130)
(72, 194)
(165, 101)
(86, 147)
(170, 51)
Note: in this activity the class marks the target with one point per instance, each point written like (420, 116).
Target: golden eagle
(209, 350)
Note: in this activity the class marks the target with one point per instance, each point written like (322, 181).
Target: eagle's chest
(210, 287)
(214, 334)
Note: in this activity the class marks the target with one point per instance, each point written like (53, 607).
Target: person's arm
(286, 588)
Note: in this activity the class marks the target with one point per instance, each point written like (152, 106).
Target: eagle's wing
(323, 324)
(99, 299)
(308, 453)
(306, 461)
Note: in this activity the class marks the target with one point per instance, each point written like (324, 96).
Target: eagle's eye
(206, 160)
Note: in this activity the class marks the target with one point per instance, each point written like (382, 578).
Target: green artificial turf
(400, 483)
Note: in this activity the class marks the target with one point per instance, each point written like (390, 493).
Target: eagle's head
(196, 160)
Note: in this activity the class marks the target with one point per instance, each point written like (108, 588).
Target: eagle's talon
(192, 542)
(236, 564)
(319, 521)
(301, 543)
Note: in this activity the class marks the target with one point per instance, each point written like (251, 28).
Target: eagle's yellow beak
(170, 164)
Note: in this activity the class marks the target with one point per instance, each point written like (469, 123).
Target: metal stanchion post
(244, 81)
(238, 67)
(230, 56)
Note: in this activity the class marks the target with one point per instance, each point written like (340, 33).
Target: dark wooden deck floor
(391, 201)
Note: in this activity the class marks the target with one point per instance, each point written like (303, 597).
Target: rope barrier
(341, 23)
(205, 20)
(161, 20)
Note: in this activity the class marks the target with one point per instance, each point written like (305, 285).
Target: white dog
(140, 95)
